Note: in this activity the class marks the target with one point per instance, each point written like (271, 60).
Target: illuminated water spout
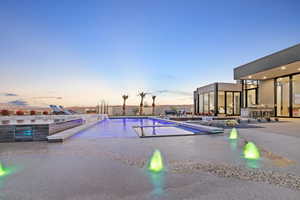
(251, 151)
(156, 162)
(233, 134)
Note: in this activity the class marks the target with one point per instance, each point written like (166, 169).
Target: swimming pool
(127, 128)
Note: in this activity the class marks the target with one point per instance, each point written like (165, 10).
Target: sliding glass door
(233, 103)
(296, 95)
(283, 97)
(229, 103)
(237, 103)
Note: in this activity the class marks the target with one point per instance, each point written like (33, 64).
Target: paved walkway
(290, 127)
(198, 167)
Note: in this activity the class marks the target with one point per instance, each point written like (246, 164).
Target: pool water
(120, 128)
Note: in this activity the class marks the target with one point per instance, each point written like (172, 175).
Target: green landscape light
(2, 170)
(156, 162)
(233, 134)
(251, 151)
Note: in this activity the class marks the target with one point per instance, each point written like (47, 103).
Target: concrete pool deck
(64, 135)
(113, 168)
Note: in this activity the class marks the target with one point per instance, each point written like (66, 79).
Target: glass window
(201, 103)
(237, 103)
(229, 103)
(221, 102)
(296, 96)
(206, 103)
(212, 102)
(282, 90)
(251, 97)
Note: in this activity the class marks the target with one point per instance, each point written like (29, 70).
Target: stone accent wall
(13, 133)
(7, 133)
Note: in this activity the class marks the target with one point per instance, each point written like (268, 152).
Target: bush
(45, 113)
(32, 112)
(4, 112)
(19, 112)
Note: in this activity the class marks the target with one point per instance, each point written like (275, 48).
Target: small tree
(142, 95)
(5, 112)
(125, 97)
(153, 105)
(19, 112)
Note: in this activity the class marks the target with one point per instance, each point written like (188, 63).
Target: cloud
(18, 103)
(8, 94)
(47, 97)
(175, 92)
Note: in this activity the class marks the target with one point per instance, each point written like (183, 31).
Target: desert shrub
(4, 112)
(45, 113)
(19, 112)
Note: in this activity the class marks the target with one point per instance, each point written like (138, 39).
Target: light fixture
(250, 77)
(265, 77)
(283, 67)
(299, 69)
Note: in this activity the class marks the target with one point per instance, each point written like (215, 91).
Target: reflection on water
(124, 125)
(153, 128)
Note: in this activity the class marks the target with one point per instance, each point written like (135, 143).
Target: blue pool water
(120, 128)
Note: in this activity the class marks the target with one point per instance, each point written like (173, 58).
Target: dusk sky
(75, 53)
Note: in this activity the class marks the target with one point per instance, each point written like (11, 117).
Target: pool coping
(207, 129)
(64, 135)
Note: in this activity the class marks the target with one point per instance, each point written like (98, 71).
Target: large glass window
(229, 103)
(237, 103)
(282, 90)
(251, 97)
(221, 102)
(206, 103)
(212, 102)
(201, 104)
(296, 96)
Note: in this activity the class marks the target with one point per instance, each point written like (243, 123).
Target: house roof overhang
(278, 64)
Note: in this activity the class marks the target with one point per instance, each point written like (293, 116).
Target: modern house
(218, 99)
(272, 81)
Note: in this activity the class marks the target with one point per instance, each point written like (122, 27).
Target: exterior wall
(266, 93)
(39, 132)
(215, 87)
(26, 130)
(7, 133)
(230, 87)
(207, 88)
(159, 109)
